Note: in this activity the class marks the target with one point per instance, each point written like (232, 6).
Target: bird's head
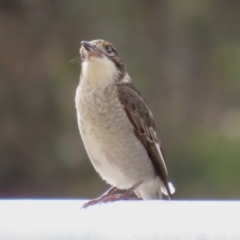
(100, 58)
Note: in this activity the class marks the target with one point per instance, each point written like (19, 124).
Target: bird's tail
(168, 190)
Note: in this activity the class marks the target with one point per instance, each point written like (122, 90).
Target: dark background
(183, 55)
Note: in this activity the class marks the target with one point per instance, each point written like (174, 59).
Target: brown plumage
(144, 127)
(117, 127)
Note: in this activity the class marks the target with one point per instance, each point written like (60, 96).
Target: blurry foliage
(183, 55)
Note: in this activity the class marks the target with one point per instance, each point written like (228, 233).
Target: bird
(117, 127)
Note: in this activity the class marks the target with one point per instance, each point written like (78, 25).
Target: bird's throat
(99, 72)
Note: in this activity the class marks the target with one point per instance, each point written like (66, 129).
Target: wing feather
(144, 128)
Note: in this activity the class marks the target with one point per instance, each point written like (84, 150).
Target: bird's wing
(144, 128)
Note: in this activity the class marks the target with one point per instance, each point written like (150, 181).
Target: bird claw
(118, 197)
(92, 202)
(108, 197)
(99, 199)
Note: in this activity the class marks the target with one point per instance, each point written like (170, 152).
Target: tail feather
(168, 190)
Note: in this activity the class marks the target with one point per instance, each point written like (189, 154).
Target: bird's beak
(91, 49)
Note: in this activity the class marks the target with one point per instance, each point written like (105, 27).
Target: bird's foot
(118, 197)
(124, 196)
(92, 202)
(100, 199)
(108, 197)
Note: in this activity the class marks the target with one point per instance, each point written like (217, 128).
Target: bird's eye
(108, 49)
(111, 52)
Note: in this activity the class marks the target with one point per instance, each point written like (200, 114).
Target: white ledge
(64, 219)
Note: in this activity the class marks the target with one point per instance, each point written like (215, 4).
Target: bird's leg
(124, 196)
(101, 198)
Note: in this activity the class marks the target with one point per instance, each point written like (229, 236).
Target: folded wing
(144, 128)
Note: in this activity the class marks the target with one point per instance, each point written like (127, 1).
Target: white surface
(63, 219)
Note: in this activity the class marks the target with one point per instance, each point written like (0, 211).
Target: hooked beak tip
(85, 44)
(90, 49)
(88, 46)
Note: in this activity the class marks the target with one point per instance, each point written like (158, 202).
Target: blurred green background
(183, 55)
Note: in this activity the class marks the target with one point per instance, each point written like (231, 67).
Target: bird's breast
(99, 106)
(112, 146)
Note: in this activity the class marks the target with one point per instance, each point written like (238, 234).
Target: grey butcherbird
(117, 127)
